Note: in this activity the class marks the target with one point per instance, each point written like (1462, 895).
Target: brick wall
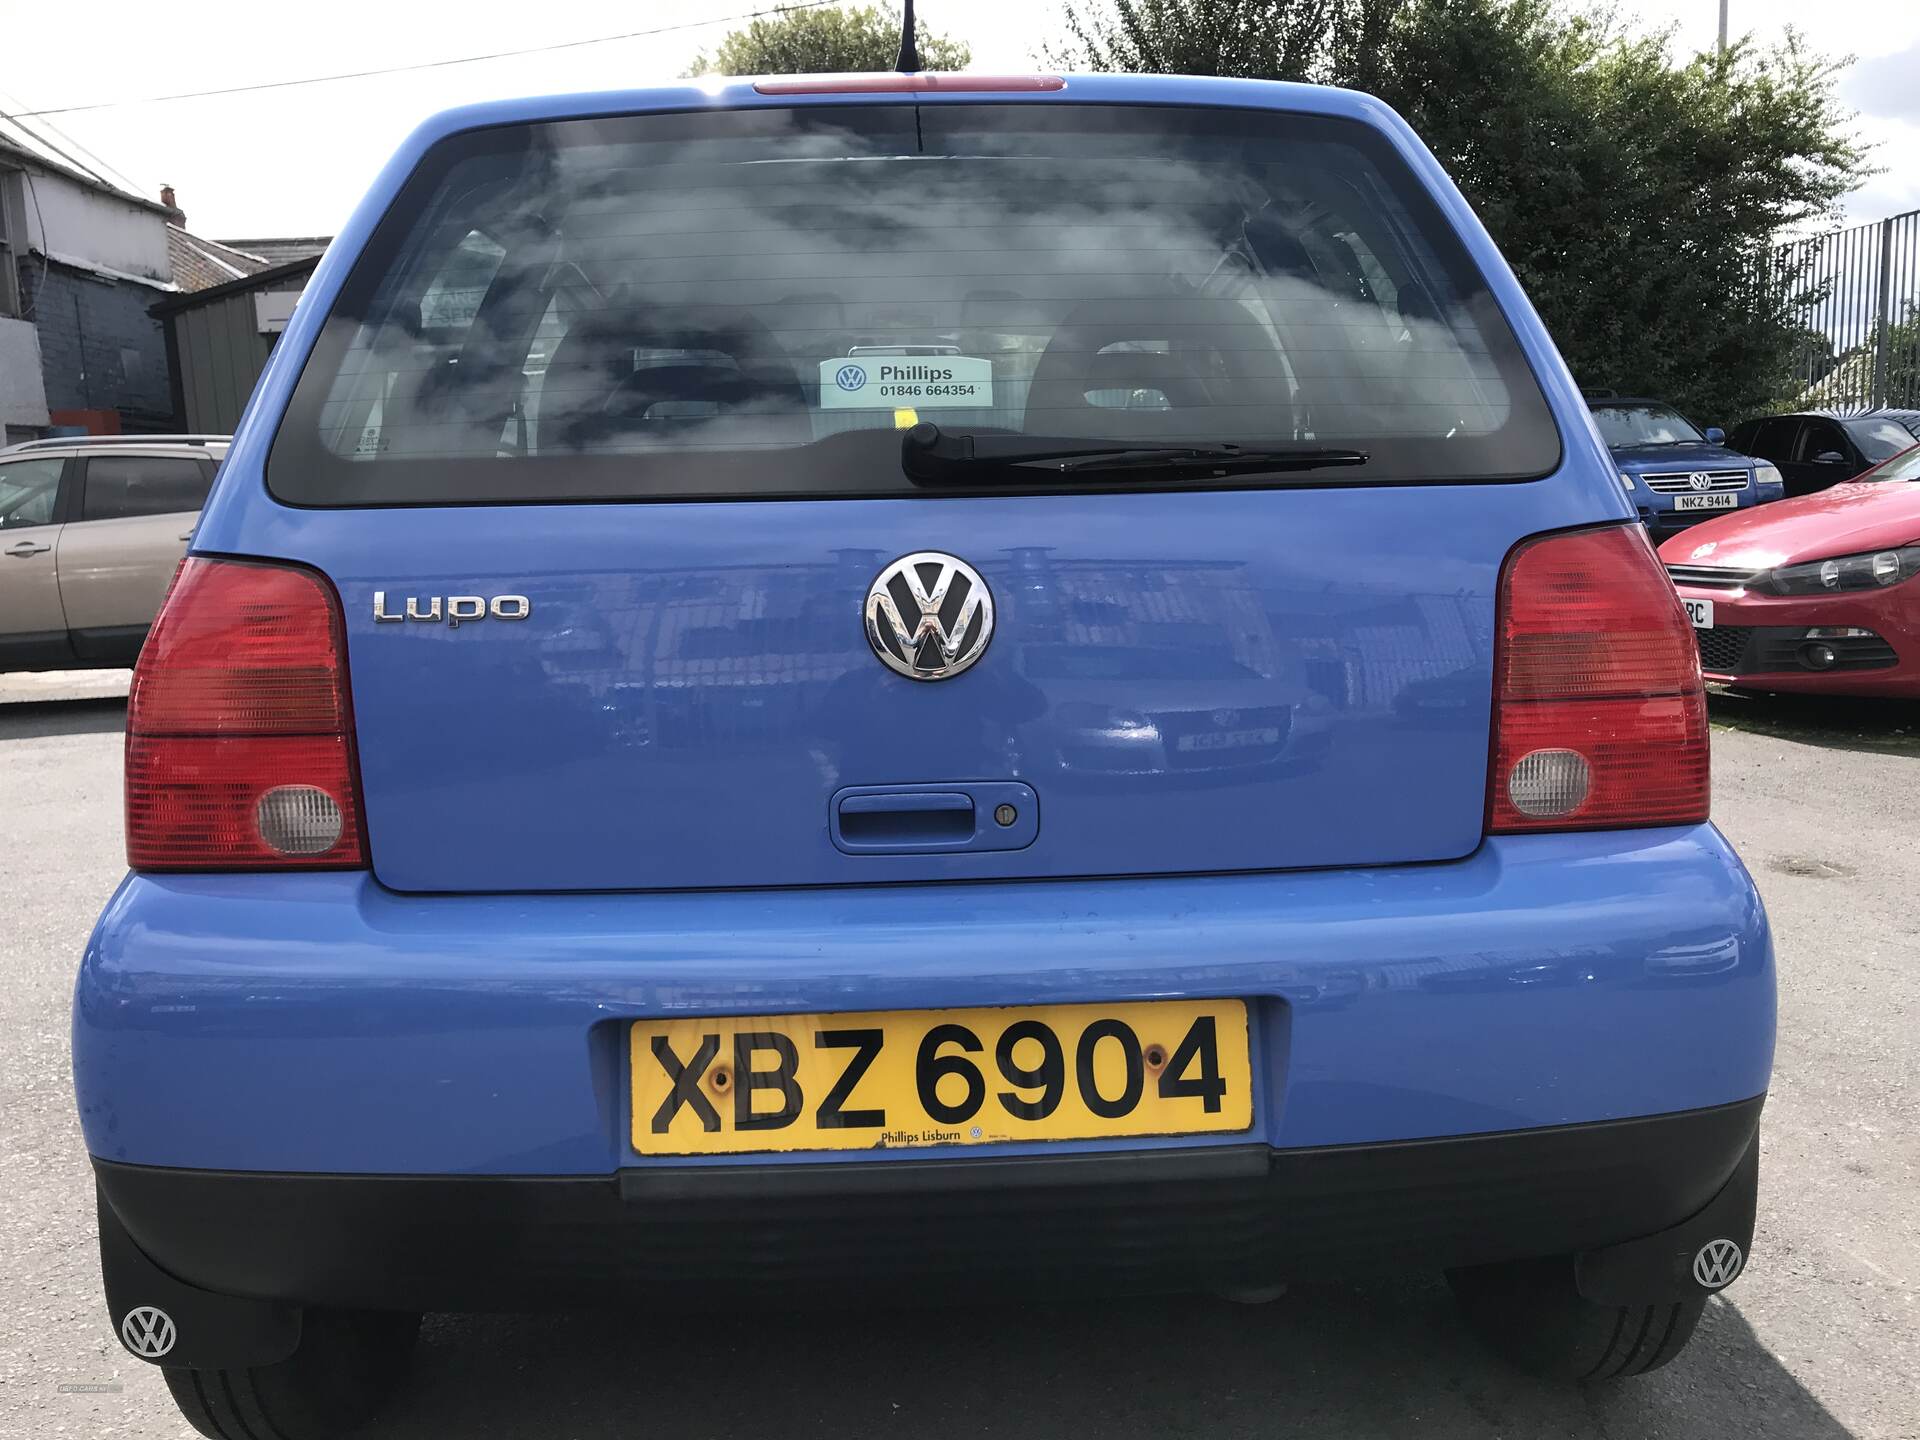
(99, 348)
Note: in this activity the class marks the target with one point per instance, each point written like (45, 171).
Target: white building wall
(84, 225)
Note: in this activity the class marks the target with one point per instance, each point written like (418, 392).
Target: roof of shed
(263, 280)
(281, 250)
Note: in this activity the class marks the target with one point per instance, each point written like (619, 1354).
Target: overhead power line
(426, 64)
(99, 169)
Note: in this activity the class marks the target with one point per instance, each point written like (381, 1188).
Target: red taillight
(889, 82)
(1600, 717)
(239, 736)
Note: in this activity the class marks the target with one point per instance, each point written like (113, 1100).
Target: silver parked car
(91, 530)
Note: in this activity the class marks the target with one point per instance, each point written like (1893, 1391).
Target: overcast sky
(294, 161)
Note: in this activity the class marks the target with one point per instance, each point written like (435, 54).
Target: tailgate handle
(912, 820)
(924, 819)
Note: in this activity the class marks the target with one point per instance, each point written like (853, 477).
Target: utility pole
(1723, 28)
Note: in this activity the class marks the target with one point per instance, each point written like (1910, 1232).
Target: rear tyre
(1529, 1313)
(348, 1364)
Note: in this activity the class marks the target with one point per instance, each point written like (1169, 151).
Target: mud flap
(166, 1321)
(1694, 1258)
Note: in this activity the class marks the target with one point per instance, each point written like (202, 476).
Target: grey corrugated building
(218, 340)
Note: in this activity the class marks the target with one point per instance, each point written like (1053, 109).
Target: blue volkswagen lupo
(925, 683)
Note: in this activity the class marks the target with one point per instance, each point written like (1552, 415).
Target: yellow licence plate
(916, 1078)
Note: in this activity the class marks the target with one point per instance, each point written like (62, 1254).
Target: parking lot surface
(1820, 1339)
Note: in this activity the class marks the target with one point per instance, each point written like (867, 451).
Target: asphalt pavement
(1819, 1340)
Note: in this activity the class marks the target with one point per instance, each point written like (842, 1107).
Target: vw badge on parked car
(929, 615)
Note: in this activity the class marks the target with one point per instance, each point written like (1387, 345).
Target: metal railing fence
(1857, 296)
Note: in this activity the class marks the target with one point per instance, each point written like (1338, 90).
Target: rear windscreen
(755, 303)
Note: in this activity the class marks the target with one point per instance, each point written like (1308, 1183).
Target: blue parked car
(1677, 474)
(906, 685)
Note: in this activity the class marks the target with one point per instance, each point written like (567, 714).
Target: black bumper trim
(1207, 1217)
(776, 1183)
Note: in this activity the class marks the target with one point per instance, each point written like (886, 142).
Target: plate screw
(1005, 814)
(721, 1079)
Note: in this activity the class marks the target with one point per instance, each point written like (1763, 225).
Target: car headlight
(1867, 571)
(1765, 474)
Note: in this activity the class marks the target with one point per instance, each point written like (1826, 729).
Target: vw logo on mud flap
(147, 1331)
(929, 615)
(1717, 1264)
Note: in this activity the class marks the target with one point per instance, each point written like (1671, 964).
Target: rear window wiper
(934, 456)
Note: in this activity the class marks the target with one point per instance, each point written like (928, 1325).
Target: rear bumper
(1229, 1217)
(319, 1024)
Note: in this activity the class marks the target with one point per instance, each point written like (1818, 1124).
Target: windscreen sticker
(896, 382)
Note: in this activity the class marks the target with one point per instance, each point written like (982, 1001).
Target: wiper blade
(931, 455)
(1224, 458)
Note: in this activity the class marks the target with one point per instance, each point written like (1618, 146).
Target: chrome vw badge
(929, 616)
(1698, 480)
(147, 1331)
(1716, 1264)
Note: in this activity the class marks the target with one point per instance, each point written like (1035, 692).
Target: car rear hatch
(635, 398)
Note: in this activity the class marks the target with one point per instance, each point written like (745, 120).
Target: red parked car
(1815, 593)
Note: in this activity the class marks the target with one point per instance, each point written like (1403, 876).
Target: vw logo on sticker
(147, 1331)
(850, 377)
(1717, 1264)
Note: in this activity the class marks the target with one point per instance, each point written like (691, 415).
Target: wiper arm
(934, 456)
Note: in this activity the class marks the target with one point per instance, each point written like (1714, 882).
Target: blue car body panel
(338, 1023)
(694, 684)
(318, 1023)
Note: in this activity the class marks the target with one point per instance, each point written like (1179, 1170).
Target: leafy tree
(1636, 196)
(827, 41)
(1200, 37)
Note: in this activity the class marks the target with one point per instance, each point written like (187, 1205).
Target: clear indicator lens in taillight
(240, 748)
(1599, 710)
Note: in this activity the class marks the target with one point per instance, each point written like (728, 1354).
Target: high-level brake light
(888, 82)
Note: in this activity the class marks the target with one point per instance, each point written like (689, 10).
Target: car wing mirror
(1829, 457)
(1715, 435)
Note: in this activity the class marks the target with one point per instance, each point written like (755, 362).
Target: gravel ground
(1821, 1339)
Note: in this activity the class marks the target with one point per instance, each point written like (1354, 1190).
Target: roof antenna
(909, 60)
